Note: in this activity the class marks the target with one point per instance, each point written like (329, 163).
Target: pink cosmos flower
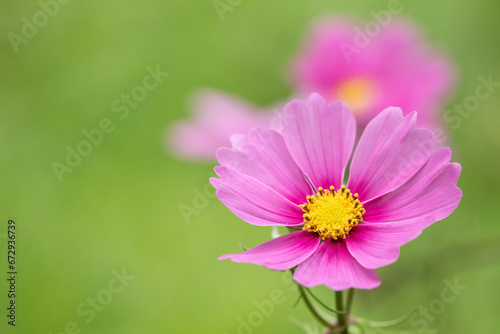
(342, 230)
(343, 61)
(216, 117)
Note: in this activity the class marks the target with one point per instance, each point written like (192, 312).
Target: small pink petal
(191, 141)
(253, 201)
(391, 150)
(430, 195)
(333, 266)
(320, 138)
(282, 253)
(215, 117)
(377, 245)
(262, 154)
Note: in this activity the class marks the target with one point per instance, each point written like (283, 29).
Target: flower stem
(350, 297)
(321, 303)
(311, 307)
(341, 317)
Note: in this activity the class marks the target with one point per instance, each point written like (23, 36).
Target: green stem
(341, 317)
(321, 303)
(390, 323)
(350, 296)
(311, 307)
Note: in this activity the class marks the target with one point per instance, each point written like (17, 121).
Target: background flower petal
(333, 266)
(320, 138)
(281, 253)
(216, 115)
(391, 150)
(253, 201)
(417, 77)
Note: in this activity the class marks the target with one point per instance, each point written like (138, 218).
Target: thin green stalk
(321, 303)
(390, 323)
(311, 307)
(350, 297)
(341, 317)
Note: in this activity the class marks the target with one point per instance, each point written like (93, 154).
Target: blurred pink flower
(398, 185)
(216, 116)
(341, 61)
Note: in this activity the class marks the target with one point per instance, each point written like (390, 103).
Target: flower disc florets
(332, 213)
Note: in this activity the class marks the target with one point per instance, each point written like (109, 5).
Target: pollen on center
(332, 214)
(357, 93)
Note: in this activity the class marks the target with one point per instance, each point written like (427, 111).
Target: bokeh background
(119, 208)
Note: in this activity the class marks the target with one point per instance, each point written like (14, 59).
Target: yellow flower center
(332, 214)
(358, 94)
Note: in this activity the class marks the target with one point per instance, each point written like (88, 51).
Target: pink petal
(192, 141)
(415, 78)
(253, 201)
(333, 266)
(215, 117)
(390, 151)
(377, 245)
(320, 138)
(282, 253)
(429, 196)
(262, 154)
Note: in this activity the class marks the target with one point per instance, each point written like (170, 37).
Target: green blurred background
(119, 209)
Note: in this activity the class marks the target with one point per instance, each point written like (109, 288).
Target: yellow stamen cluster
(357, 93)
(332, 214)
